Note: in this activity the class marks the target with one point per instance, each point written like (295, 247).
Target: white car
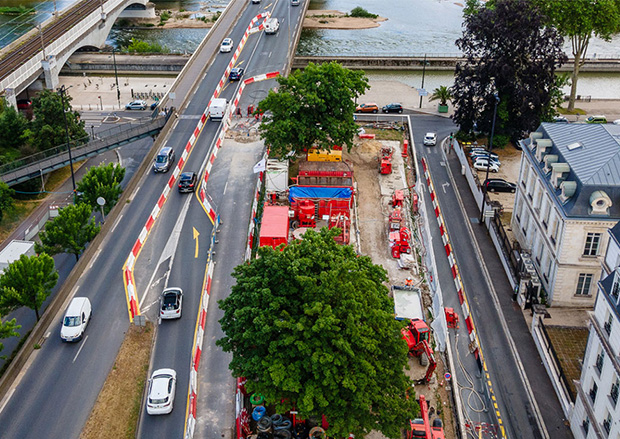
(430, 139)
(171, 303)
(227, 45)
(162, 387)
(616, 122)
(482, 152)
(136, 105)
(481, 165)
(484, 157)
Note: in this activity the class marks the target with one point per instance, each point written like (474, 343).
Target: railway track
(20, 53)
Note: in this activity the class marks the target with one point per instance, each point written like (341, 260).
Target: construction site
(368, 194)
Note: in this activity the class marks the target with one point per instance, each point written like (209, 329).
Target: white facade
(596, 413)
(562, 221)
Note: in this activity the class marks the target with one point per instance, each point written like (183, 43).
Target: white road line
(94, 258)
(80, 350)
(7, 399)
(118, 220)
(225, 187)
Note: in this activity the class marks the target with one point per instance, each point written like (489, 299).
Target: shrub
(361, 13)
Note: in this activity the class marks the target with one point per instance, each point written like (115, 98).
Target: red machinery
(306, 213)
(385, 160)
(398, 235)
(417, 334)
(343, 222)
(452, 318)
(398, 197)
(421, 427)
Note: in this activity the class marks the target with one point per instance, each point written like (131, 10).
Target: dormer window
(559, 171)
(600, 203)
(543, 146)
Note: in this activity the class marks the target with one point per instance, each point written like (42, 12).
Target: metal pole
(55, 10)
(62, 91)
(423, 75)
(289, 27)
(42, 43)
(484, 186)
(118, 90)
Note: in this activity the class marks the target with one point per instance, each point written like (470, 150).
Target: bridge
(45, 50)
(47, 161)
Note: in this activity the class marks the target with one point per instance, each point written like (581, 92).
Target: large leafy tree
(313, 107)
(311, 326)
(48, 127)
(27, 282)
(69, 232)
(12, 128)
(8, 329)
(580, 20)
(7, 203)
(102, 181)
(509, 52)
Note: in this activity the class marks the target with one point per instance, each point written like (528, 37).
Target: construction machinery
(422, 428)
(452, 318)
(417, 335)
(385, 160)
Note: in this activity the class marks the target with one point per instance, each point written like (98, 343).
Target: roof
(592, 152)
(615, 233)
(275, 222)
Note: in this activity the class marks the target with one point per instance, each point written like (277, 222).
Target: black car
(236, 74)
(500, 185)
(187, 182)
(392, 108)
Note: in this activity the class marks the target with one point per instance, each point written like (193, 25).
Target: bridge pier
(51, 71)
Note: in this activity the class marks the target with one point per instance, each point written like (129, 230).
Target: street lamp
(62, 90)
(423, 75)
(484, 186)
(118, 90)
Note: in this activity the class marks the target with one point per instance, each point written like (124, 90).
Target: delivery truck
(217, 109)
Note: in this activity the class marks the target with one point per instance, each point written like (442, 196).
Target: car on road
(255, 1)
(162, 388)
(164, 160)
(187, 182)
(272, 25)
(76, 319)
(430, 139)
(616, 122)
(236, 74)
(171, 303)
(596, 119)
(481, 165)
(136, 105)
(560, 119)
(392, 108)
(369, 107)
(294, 2)
(227, 45)
(500, 185)
(154, 105)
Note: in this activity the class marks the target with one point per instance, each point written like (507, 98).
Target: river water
(413, 28)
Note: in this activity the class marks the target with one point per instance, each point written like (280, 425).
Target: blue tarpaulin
(318, 192)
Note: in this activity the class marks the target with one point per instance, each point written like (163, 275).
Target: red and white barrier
(471, 329)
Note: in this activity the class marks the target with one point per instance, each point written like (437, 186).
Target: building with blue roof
(568, 196)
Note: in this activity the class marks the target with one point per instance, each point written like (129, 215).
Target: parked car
(76, 319)
(162, 388)
(255, 1)
(560, 119)
(187, 182)
(236, 74)
(368, 107)
(24, 104)
(154, 105)
(227, 45)
(483, 152)
(430, 139)
(171, 303)
(616, 122)
(481, 165)
(164, 160)
(136, 105)
(476, 158)
(596, 119)
(500, 185)
(392, 108)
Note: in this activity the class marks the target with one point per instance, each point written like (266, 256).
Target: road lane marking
(225, 187)
(196, 234)
(8, 398)
(116, 223)
(80, 350)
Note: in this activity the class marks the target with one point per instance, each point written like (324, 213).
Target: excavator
(417, 334)
(421, 427)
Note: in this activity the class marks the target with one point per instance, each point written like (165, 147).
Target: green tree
(7, 203)
(48, 125)
(12, 128)
(8, 329)
(508, 50)
(69, 232)
(580, 20)
(27, 282)
(313, 107)
(102, 181)
(441, 94)
(312, 326)
(139, 46)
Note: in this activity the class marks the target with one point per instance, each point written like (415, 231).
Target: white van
(217, 109)
(76, 318)
(272, 25)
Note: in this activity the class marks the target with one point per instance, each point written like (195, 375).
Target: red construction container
(274, 226)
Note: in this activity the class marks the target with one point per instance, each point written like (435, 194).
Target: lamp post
(423, 75)
(40, 28)
(484, 186)
(118, 90)
(62, 90)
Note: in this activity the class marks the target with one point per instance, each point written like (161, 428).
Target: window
(600, 358)
(607, 423)
(586, 426)
(593, 241)
(583, 284)
(613, 393)
(593, 392)
(615, 290)
(607, 324)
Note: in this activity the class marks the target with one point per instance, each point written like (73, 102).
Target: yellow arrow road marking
(196, 234)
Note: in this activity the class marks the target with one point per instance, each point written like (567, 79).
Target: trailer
(274, 226)
(407, 303)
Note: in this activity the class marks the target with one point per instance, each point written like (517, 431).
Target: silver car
(136, 105)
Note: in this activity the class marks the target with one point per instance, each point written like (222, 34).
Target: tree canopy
(8, 329)
(69, 232)
(510, 52)
(12, 128)
(7, 203)
(311, 326)
(27, 282)
(102, 181)
(313, 107)
(580, 20)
